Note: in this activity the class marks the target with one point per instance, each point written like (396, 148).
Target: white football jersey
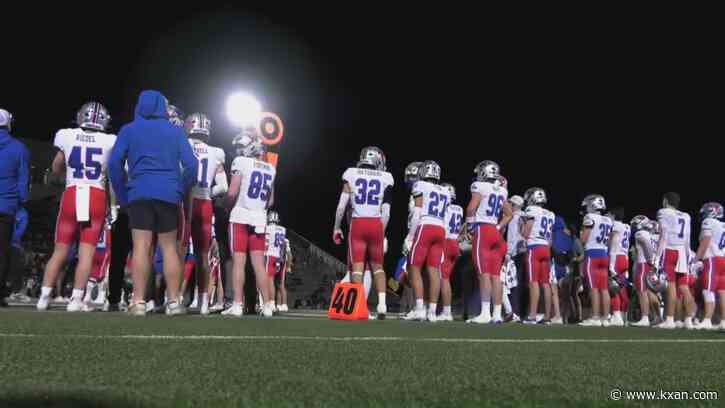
(646, 238)
(368, 188)
(210, 158)
(601, 227)
(493, 198)
(714, 229)
(86, 156)
(543, 227)
(514, 240)
(276, 235)
(256, 188)
(624, 231)
(436, 200)
(454, 221)
(675, 226)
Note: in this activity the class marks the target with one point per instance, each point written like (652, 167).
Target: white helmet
(711, 210)
(487, 170)
(594, 203)
(451, 190)
(6, 119)
(641, 222)
(175, 115)
(412, 172)
(93, 116)
(430, 170)
(372, 156)
(535, 196)
(198, 124)
(517, 201)
(248, 144)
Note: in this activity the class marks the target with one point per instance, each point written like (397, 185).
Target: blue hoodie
(21, 224)
(562, 241)
(14, 173)
(153, 148)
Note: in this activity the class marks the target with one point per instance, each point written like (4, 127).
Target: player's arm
(58, 165)
(614, 242)
(414, 221)
(508, 214)
(586, 230)
(220, 182)
(471, 212)
(705, 239)
(387, 201)
(342, 203)
(526, 228)
(233, 191)
(646, 244)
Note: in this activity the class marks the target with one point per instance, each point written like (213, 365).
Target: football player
(427, 238)
(538, 230)
(516, 251)
(251, 192)
(99, 271)
(487, 214)
(642, 227)
(673, 253)
(368, 189)
(211, 182)
(83, 155)
(595, 232)
(619, 264)
(710, 257)
(453, 224)
(275, 237)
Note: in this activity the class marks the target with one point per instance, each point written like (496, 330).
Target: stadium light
(243, 109)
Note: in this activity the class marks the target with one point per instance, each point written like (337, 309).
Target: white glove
(612, 272)
(337, 236)
(407, 245)
(385, 245)
(696, 267)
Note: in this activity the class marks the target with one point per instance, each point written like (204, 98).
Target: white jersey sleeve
(493, 198)
(86, 156)
(276, 238)
(542, 227)
(623, 231)
(514, 240)
(716, 231)
(368, 188)
(454, 221)
(255, 191)
(675, 226)
(601, 227)
(436, 200)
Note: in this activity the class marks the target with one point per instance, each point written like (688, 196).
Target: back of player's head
(711, 210)
(6, 119)
(430, 171)
(517, 202)
(671, 199)
(373, 158)
(618, 213)
(248, 144)
(593, 203)
(93, 116)
(412, 173)
(198, 126)
(535, 196)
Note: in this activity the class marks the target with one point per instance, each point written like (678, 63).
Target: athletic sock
(486, 309)
(381, 298)
(497, 312)
(446, 310)
(77, 294)
(419, 304)
(45, 291)
(432, 307)
(671, 319)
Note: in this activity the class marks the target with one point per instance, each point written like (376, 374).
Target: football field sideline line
(365, 338)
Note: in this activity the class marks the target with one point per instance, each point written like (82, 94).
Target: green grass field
(109, 359)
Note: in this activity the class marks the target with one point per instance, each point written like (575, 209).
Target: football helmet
(175, 115)
(641, 222)
(412, 172)
(655, 281)
(248, 144)
(272, 217)
(94, 116)
(711, 210)
(517, 201)
(487, 170)
(451, 190)
(593, 203)
(198, 124)
(373, 157)
(6, 119)
(430, 170)
(535, 196)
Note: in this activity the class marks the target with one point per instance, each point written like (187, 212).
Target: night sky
(576, 106)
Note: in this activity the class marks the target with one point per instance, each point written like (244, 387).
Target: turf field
(110, 359)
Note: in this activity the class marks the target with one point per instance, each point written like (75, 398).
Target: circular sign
(270, 128)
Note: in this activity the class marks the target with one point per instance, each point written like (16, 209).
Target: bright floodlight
(243, 109)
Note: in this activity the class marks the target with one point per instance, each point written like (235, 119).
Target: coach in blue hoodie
(14, 177)
(153, 189)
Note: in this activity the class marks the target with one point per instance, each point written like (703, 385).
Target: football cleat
(204, 309)
(679, 325)
(74, 306)
(722, 325)
(150, 306)
(557, 321)
(705, 325)
(644, 322)
(61, 299)
(267, 311)
(616, 321)
(216, 307)
(444, 318)
(87, 308)
(480, 319)
(606, 323)
(42, 304)
(382, 311)
(591, 323)
(415, 315)
(666, 325)
(497, 321)
(235, 310)
(175, 309)
(688, 324)
(529, 322)
(138, 309)
(432, 317)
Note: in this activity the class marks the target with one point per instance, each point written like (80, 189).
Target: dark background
(619, 102)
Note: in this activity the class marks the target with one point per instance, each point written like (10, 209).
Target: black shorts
(153, 215)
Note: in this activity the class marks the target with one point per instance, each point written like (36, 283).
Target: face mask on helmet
(248, 145)
(412, 173)
(198, 125)
(93, 116)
